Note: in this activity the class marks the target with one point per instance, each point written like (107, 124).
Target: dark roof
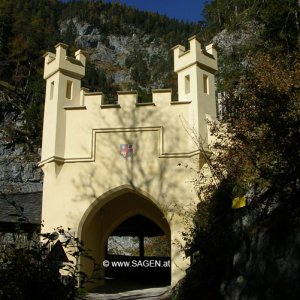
(138, 226)
(31, 203)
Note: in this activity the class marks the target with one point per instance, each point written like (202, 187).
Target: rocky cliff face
(112, 53)
(18, 158)
(18, 172)
(267, 263)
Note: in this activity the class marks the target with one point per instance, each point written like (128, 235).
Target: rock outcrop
(19, 172)
(267, 263)
(109, 52)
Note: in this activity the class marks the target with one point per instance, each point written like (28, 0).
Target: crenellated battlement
(195, 55)
(73, 114)
(160, 97)
(61, 62)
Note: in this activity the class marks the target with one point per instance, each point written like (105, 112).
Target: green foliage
(33, 117)
(28, 29)
(157, 246)
(27, 270)
(279, 21)
(97, 80)
(259, 79)
(6, 20)
(27, 276)
(212, 247)
(144, 96)
(69, 35)
(256, 151)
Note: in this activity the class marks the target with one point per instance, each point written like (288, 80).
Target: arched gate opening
(131, 220)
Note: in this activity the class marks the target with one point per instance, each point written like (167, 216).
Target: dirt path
(160, 293)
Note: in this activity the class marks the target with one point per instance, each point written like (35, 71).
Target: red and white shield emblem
(126, 150)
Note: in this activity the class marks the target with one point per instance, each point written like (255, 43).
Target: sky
(186, 10)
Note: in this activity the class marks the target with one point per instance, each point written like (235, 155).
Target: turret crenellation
(211, 49)
(80, 55)
(185, 58)
(71, 109)
(61, 62)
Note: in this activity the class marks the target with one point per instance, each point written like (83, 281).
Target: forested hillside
(30, 28)
(246, 236)
(127, 50)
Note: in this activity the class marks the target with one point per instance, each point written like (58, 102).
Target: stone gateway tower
(117, 169)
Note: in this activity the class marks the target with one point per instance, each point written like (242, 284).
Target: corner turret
(196, 83)
(63, 76)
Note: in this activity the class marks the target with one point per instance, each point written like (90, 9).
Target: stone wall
(267, 263)
(18, 159)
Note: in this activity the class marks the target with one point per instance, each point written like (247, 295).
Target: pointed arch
(113, 193)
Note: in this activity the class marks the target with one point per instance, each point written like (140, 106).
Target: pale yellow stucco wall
(88, 185)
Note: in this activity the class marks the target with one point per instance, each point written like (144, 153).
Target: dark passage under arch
(144, 254)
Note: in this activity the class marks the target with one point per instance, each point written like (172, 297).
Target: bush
(27, 271)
